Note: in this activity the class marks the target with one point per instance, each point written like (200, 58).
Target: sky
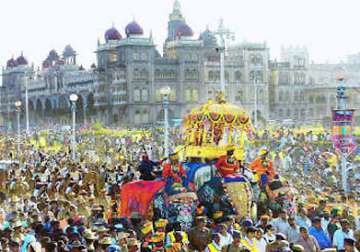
(328, 28)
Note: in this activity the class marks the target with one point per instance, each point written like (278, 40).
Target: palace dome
(184, 31)
(112, 34)
(133, 28)
(21, 60)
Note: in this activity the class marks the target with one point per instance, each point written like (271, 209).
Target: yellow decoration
(213, 127)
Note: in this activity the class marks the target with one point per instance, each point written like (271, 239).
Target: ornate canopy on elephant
(210, 128)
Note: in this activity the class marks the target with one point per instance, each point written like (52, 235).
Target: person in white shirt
(341, 234)
(260, 240)
(281, 224)
(269, 234)
(225, 238)
(302, 220)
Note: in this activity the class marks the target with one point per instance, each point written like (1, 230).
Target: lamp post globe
(18, 109)
(74, 97)
(18, 104)
(165, 91)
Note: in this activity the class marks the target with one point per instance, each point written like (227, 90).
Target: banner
(342, 130)
(137, 196)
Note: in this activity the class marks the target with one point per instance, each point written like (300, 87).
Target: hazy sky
(329, 28)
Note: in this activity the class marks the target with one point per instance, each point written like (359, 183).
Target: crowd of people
(50, 202)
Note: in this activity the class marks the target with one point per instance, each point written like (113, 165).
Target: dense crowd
(50, 202)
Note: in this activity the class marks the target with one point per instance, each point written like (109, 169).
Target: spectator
(308, 241)
(293, 231)
(319, 234)
(341, 234)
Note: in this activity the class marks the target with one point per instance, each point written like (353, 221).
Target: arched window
(259, 76)
(187, 74)
(227, 76)
(195, 95)
(157, 73)
(137, 95)
(261, 96)
(303, 113)
(311, 99)
(296, 113)
(302, 78)
(145, 116)
(172, 96)
(287, 96)
(217, 75)
(252, 59)
(302, 96)
(157, 96)
(136, 74)
(144, 74)
(211, 76)
(296, 95)
(259, 59)
(281, 96)
(281, 113)
(239, 96)
(311, 112)
(194, 74)
(288, 113)
(238, 76)
(187, 95)
(252, 76)
(144, 95)
(137, 117)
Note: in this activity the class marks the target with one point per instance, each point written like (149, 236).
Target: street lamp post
(255, 102)
(18, 109)
(223, 33)
(165, 92)
(73, 99)
(26, 105)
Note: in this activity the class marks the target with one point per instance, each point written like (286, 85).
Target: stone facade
(123, 88)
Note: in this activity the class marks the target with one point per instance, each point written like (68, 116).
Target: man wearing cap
(341, 234)
(89, 237)
(227, 164)
(122, 238)
(277, 245)
(263, 166)
(319, 234)
(105, 242)
(199, 236)
(133, 245)
(308, 241)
